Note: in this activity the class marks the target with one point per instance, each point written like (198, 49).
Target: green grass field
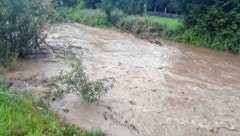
(171, 23)
(19, 116)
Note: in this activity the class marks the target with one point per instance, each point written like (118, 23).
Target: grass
(170, 23)
(20, 116)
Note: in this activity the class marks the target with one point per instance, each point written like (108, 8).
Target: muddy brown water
(171, 90)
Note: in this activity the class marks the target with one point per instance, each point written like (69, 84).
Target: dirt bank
(158, 90)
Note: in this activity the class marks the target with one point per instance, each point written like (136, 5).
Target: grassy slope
(19, 116)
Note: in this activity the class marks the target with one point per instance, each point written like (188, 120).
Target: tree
(213, 23)
(175, 6)
(172, 6)
(21, 22)
(92, 3)
(107, 6)
(128, 6)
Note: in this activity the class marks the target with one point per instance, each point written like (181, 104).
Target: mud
(170, 90)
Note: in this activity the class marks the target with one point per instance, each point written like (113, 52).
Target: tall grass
(20, 116)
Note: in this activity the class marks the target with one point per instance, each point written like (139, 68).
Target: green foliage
(3, 86)
(142, 26)
(175, 6)
(69, 3)
(171, 23)
(172, 6)
(76, 81)
(20, 116)
(214, 24)
(21, 22)
(193, 36)
(64, 11)
(91, 3)
(128, 6)
(107, 6)
(7, 58)
(116, 15)
(89, 17)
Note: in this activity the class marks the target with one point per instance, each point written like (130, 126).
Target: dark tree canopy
(215, 22)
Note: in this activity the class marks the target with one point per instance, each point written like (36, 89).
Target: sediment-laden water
(170, 90)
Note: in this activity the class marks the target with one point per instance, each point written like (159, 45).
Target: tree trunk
(165, 11)
(145, 8)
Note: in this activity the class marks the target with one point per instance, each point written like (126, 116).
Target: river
(172, 89)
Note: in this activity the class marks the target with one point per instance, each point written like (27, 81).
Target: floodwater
(171, 90)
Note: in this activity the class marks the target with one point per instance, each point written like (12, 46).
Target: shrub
(64, 11)
(214, 24)
(7, 58)
(128, 6)
(142, 26)
(21, 22)
(69, 3)
(116, 15)
(89, 17)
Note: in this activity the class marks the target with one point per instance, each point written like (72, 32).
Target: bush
(7, 58)
(21, 22)
(89, 17)
(64, 11)
(213, 24)
(142, 26)
(69, 3)
(128, 6)
(116, 15)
